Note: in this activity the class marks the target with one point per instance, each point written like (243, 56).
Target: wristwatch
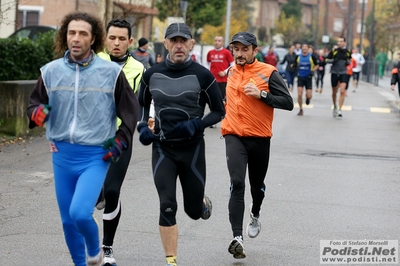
(263, 94)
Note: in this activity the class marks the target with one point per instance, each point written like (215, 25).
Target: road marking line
(346, 108)
(350, 108)
(379, 110)
(296, 105)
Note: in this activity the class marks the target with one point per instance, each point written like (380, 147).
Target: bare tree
(5, 6)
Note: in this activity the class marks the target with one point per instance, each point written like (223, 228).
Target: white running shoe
(236, 248)
(109, 259)
(335, 112)
(254, 226)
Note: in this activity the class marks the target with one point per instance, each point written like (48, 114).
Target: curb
(384, 83)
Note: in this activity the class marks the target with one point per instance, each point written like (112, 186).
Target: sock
(171, 260)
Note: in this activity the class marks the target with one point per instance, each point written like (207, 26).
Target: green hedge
(21, 59)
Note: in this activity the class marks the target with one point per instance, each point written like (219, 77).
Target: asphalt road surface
(328, 179)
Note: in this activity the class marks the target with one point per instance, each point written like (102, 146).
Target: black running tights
(112, 188)
(243, 152)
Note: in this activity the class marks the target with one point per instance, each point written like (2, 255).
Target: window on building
(361, 1)
(337, 25)
(28, 16)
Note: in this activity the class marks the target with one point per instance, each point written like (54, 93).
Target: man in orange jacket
(253, 90)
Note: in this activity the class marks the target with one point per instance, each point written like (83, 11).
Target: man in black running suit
(180, 89)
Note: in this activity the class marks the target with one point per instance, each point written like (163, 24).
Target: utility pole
(326, 22)
(317, 27)
(326, 16)
(362, 27)
(371, 40)
(350, 25)
(228, 21)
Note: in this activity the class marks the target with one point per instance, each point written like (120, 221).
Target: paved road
(328, 179)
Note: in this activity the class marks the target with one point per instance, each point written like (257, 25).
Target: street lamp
(184, 6)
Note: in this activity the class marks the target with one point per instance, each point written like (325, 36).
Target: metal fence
(370, 71)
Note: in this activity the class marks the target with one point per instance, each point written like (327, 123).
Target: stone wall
(14, 100)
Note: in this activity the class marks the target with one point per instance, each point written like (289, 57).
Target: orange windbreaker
(350, 66)
(247, 116)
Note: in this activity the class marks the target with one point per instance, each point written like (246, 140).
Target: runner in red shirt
(219, 60)
(271, 57)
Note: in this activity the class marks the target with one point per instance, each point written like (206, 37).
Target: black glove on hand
(146, 137)
(188, 128)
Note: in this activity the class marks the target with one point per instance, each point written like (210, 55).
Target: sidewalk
(394, 102)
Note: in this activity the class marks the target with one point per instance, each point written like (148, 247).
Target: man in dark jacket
(143, 56)
(290, 59)
(339, 57)
(180, 89)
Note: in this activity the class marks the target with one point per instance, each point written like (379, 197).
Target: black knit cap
(245, 38)
(178, 29)
(142, 41)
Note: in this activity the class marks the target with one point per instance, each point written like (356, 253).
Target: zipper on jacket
(73, 125)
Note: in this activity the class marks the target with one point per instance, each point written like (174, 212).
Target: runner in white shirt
(359, 58)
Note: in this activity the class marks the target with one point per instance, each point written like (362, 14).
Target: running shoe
(339, 114)
(335, 112)
(236, 248)
(108, 256)
(101, 205)
(254, 226)
(308, 101)
(101, 202)
(300, 112)
(207, 208)
(171, 261)
(96, 260)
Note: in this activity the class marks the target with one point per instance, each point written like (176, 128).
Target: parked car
(281, 52)
(31, 32)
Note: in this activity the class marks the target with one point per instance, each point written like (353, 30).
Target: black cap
(178, 29)
(245, 38)
(142, 41)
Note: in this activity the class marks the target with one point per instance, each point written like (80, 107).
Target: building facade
(344, 18)
(331, 18)
(23, 13)
(266, 12)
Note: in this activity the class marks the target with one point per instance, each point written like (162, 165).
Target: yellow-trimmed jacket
(132, 68)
